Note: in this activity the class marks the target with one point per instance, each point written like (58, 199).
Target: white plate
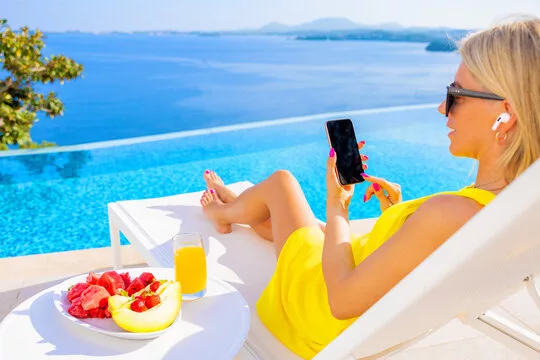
(108, 326)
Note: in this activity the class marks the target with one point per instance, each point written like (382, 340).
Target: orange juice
(190, 268)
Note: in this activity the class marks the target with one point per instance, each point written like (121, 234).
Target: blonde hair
(505, 59)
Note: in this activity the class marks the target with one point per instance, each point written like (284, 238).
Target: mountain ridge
(325, 24)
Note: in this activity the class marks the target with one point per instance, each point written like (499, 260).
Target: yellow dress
(294, 306)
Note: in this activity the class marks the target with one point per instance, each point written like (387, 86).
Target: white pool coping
(215, 130)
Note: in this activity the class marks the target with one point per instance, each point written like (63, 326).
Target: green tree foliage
(25, 66)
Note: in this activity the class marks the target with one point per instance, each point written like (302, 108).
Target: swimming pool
(57, 200)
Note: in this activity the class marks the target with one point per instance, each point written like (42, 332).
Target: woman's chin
(455, 150)
(458, 152)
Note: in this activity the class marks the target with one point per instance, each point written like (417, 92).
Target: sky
(210, 15)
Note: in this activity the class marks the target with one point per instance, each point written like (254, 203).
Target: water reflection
(63, 164)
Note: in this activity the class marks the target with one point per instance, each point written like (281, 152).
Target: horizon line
(361, 26)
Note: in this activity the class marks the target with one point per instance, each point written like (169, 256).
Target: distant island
(438, 39)
(443, 45)
(342, 29)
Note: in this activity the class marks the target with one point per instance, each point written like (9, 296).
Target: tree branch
(39, 69)
(9, 84)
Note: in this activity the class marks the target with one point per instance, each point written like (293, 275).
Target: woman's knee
(284, 178)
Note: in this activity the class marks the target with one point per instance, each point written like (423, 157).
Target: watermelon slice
(147, 278)
(76, 291)
(78, 312)
(76, 301)
(92, 296)
(93, 313)
(126, 278)
(136, 285)
(111, 281)
(92, 278)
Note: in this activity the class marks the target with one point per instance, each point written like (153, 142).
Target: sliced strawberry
(76, 291)
(136, 285)
(107, 313)
(92, 296)
(92, 278)
(101, 314)
(138, 305)
(155, 285)
(126, 278)
(111, 281)
(147, 278)
(152, 300)
(78, 311)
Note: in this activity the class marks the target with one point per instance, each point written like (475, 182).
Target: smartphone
(342, 138)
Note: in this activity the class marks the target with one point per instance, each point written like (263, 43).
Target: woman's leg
(279, 197)
(213, 181)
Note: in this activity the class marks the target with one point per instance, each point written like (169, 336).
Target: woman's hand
(338, 196)
(387, 192)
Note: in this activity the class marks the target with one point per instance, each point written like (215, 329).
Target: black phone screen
(343, 140)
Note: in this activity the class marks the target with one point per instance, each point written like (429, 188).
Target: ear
(507, 126)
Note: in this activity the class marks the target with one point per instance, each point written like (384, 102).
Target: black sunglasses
(452, 92)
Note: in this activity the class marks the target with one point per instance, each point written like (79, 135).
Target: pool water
(57, 201)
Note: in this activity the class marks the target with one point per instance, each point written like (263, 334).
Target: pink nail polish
(207, 172)
(366, 157)
(364, 198)
(376, 187)
(364, 175)
(211, 191)
(362, 142)
(332, 152)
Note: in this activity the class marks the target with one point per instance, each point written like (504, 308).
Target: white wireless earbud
(503, 118)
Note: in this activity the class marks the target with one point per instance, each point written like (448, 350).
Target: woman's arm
(351, 291)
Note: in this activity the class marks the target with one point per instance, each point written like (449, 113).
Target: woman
(324, 278)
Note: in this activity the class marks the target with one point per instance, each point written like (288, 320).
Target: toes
(213, 194)
(216, 178)
(208, 196)
(205, 198)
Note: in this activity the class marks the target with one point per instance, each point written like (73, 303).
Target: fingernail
(364, 198)
(207, 172)
(364, 175)
(212, 191)
(376, 187)
(366, 157)
(362, 142)
(332, 152)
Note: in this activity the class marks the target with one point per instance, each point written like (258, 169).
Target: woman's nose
(442, 107)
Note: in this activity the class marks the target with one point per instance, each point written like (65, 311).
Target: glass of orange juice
(190, 265)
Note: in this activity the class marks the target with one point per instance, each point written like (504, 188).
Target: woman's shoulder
(449, 209)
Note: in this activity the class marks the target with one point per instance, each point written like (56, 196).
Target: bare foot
(212, 208)
(213, 181)
(226, 196)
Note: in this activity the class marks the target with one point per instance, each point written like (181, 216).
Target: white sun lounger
(487, 260)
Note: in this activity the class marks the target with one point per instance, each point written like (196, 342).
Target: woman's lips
(452, 131)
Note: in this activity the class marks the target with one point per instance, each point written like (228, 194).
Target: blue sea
(243, 106)
(137, 85)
